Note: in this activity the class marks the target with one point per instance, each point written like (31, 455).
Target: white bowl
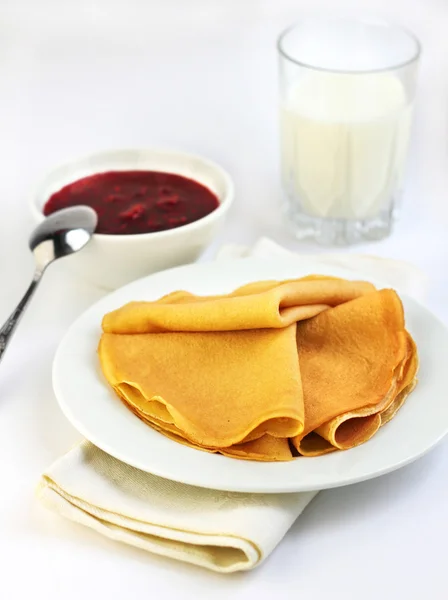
(111, 261)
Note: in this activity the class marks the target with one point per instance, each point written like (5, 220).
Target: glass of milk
(346, 96)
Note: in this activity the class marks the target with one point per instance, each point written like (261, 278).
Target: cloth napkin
(401, 275)
(222, 531)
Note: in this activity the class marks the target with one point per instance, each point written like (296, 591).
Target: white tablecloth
(199, 75)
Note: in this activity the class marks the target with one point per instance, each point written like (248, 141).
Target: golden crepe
(269, 371)
(253, 306)
(354, 361)
(211, 385)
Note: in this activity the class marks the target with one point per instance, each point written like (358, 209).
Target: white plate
(102, 418)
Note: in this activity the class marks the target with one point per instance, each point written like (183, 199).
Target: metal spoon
(61, 234)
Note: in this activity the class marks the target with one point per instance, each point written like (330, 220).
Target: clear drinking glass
(346, 95)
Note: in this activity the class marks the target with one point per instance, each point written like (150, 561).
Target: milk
(344, 140)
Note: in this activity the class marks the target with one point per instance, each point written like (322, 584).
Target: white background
(198, 75)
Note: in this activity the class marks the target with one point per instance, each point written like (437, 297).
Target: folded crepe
(214, 386)
(257, 305)
(264, 373)
(357, 362)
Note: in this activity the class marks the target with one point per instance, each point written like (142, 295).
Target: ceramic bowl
(111, 261)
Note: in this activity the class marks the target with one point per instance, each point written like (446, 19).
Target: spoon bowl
(61, 234)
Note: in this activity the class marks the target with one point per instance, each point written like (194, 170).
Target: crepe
(214, 387)
(269, 371)
(355, 362)
(263, 448)
(264, 304)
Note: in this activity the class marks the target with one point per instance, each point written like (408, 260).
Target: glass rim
(414, 58)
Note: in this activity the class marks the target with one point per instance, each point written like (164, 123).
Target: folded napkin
(401, 275)
(222, 531)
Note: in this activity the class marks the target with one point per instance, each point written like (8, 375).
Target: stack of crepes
(269, 372)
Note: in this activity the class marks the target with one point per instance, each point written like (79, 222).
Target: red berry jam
(129, 202)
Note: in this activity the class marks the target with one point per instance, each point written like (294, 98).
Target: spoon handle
(6, 332)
